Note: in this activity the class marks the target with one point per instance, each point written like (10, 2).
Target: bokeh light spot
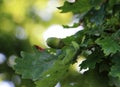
(11, 60)
(2, 58)
(6, 84)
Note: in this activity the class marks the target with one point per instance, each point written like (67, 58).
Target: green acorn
(54, 42)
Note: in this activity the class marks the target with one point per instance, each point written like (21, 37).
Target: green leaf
(116, 8)
(92, 59)
(115, 69)
(96, 2)
(77, 37)
(114, 81)
(32, 65)
(116, 36)
(109, 45)
(74, 25)
(92, 78)
(79, 6)
(89, 79)
(60, 68)
(104, 65)
(97, 15)
(113, 2)
(53, 75)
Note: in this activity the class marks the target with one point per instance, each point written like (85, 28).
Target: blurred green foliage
(21, 26)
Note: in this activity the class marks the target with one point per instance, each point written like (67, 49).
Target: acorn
(54, 42)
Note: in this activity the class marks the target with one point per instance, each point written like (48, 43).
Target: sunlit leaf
(109, 45)
(76, 7)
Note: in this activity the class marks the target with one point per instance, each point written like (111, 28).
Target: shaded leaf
(97, 16)
(60, 68)
(32, 65)
(91, 78)
(113, 2)
(104, 66)
(114, 81)
(115, 69)
(92, 59)
(96, 2)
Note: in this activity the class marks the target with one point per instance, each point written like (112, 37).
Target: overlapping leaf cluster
(98, 42)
